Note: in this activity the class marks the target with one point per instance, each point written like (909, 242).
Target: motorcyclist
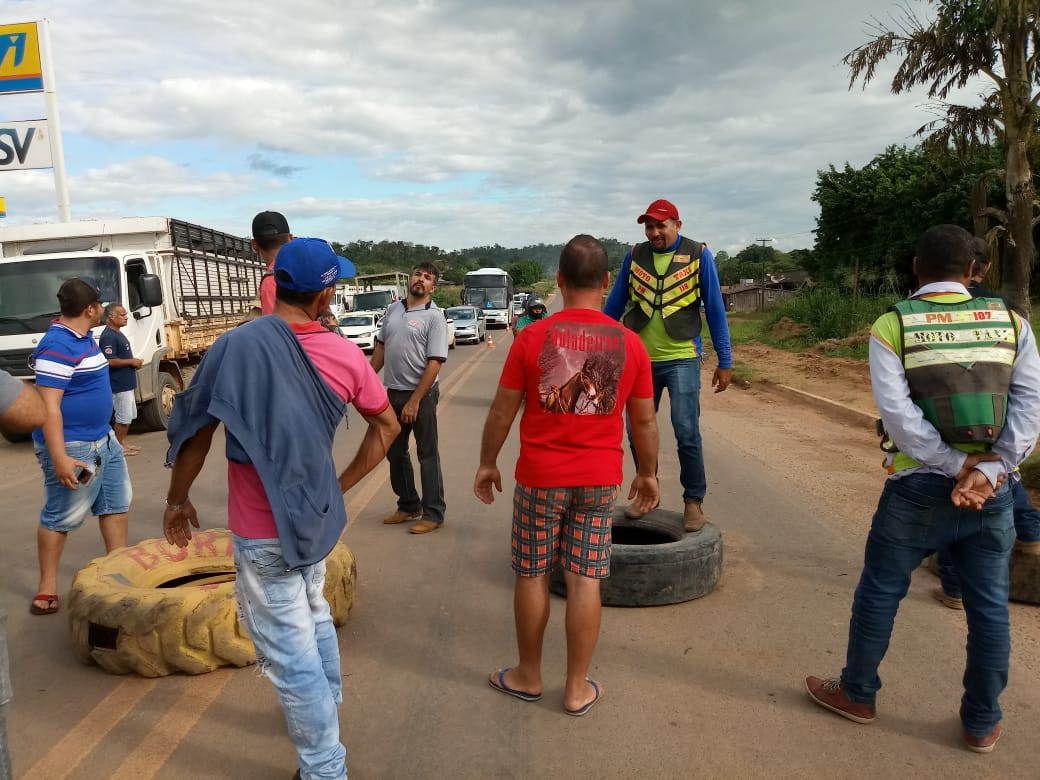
(534, 310)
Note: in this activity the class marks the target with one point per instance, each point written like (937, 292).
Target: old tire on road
(156, 609)
(655, 562)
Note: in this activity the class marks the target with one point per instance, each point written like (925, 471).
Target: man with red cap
(658, 293)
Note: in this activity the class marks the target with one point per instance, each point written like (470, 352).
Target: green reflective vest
(958, 359)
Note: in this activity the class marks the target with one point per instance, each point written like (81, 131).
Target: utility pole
(763, 241)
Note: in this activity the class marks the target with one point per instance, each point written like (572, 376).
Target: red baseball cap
(659, 211)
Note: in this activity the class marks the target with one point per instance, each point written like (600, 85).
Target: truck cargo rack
(214, 274)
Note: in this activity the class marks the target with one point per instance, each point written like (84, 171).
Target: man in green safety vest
(957, 382)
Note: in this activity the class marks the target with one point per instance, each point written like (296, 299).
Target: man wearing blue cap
(280, 386)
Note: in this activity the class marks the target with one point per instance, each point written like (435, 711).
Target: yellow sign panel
(3, 206)
(20, 68)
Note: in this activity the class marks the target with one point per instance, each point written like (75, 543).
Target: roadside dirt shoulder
(845, 381)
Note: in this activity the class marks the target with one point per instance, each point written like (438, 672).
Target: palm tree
(995, 40)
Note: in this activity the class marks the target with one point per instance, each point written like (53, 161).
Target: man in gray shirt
(412, 344)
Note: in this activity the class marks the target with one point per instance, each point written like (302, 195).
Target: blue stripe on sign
(27, 84)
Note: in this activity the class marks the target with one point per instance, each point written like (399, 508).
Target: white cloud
(472, 122)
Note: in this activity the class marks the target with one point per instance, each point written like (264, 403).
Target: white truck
(183, 286)
(377, 291)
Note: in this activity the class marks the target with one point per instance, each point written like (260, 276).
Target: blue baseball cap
(310, 265)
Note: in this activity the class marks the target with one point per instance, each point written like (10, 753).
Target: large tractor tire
(155, 609)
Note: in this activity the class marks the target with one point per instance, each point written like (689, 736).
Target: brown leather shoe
(400, 517)
(830, 695)
(424, 527)
(983, 744)
(946, 600)
(1030, 548)
(693, 516)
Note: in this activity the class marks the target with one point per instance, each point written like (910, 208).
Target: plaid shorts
(565, 526)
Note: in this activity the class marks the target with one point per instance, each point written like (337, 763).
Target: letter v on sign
(12, 146)
(24, 145)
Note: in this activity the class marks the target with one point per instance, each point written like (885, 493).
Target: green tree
(870, 217)
(525, 273)
(969, 39)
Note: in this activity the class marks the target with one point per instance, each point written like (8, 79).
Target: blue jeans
(286, 615)
(1027, 528)
(682, 378)
(108, 493)
(915, 517)
(402, 477)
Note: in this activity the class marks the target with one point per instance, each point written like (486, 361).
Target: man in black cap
(270, 233)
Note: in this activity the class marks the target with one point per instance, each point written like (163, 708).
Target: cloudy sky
(458, 123)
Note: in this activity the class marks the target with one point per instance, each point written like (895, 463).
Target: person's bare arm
(378, 356)
(26, 413)
(496, 428)
(120, 362)
(645, 490)
(382, 430)
(186, 467)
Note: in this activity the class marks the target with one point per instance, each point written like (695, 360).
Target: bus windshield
(487, 297)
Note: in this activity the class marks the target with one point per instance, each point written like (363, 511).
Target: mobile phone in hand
(84, 474)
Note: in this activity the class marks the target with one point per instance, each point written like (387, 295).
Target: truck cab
(183, 286)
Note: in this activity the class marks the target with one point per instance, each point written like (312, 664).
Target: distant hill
(381, 256)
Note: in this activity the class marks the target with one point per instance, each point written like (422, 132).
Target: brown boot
(400, 517)
(693, 515)
(947, 600)
(1029, 548)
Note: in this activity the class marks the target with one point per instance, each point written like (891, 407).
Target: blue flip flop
(582, 710)
(497, 680)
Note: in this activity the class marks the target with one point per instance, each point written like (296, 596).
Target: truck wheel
(654, 561)
(155, 414)
(155, 609)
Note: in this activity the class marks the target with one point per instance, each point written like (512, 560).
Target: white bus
(491, 289)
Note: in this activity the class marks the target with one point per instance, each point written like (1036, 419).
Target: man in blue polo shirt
(122, 372)
(84, 471)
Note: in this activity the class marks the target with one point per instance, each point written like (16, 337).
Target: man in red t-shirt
(578, 371)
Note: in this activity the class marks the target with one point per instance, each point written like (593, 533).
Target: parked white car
(451, 328)
(360, 327)
(470, 324)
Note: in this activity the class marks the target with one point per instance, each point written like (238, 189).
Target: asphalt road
(707, 689)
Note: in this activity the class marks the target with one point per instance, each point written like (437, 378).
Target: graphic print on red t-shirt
(580, 367)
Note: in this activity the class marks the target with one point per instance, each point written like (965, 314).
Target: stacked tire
(155, 609)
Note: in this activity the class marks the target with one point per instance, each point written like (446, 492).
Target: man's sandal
(51, 601)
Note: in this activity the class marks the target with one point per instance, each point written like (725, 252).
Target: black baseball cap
(269, 223)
